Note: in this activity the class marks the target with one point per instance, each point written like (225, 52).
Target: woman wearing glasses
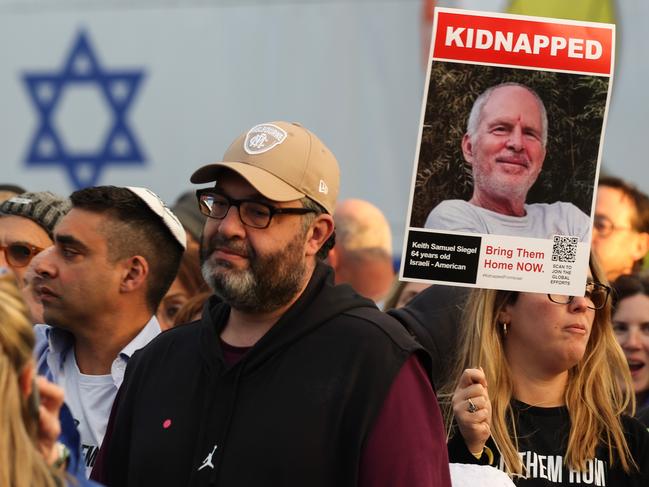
(545, 403)
(26, 225)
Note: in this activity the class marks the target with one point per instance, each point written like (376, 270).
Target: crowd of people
(254, 333)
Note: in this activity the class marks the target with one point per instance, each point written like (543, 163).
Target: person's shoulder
(453, 215)
(337, 315)
(169, 355)
(374, 337)
(186, 332)
(369, 323)
(452, 206)
(564, 208)
(177, 341)
(434, 316)
(637, 436)
(643, 416)
(634, 427)
(565, 217)
(361, 317)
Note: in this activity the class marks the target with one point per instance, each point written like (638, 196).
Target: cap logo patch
(262, 138)
(323, 188)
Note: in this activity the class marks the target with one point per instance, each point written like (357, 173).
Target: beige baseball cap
(283, 161)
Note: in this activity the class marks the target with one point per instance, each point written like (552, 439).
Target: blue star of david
(118, 87)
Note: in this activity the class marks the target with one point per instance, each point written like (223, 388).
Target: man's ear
(321, 229)
(641, 246)
(467, 148)
(136, 270)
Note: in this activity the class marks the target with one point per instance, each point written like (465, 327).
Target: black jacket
(643, 416)
(434, 317)
(294, 411)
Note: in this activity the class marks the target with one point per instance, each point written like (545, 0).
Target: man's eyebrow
(510, 122)
(501, 121)
(70, 240)
(21, 242)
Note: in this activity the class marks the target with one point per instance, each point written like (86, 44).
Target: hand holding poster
(509, 150)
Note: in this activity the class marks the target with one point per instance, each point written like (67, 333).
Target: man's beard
(270, 281)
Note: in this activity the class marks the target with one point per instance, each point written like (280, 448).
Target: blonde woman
(29, 453)
(541, 391)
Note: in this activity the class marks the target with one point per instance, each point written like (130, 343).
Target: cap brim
(266, 183)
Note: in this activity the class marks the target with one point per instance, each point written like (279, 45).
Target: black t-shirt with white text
(542, 440)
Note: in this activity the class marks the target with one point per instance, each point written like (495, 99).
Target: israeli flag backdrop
(145, 91)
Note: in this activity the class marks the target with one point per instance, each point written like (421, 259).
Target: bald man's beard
(269, 281)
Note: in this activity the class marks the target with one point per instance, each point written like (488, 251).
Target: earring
(505, 329)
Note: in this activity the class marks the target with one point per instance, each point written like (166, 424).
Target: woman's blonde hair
(598, 390)
(21, 464)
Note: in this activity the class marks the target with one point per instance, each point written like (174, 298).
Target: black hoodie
(295, 410)
(434, 318)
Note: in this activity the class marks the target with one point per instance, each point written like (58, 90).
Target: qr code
(564, 249)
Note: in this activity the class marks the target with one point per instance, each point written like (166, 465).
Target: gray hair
(475, 117)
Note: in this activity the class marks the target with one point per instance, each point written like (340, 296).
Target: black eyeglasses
(18, 254)
(605, 226)
(597, 294)
(251, 212)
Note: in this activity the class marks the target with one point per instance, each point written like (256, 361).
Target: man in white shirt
(505, 144)
(115, 255)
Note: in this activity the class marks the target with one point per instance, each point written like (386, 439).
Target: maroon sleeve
(407, 445)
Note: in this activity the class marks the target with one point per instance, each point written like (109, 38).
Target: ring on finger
(472, 408)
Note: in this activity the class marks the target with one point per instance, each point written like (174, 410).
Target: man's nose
(42, 263)
(515, 140)
(231, 224)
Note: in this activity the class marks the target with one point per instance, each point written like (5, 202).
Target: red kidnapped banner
(551, 45)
